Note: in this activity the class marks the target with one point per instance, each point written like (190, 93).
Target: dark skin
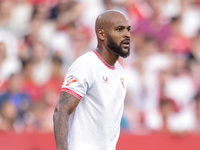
(116, 25)
(65, 106)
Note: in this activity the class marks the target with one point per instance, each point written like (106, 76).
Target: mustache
(125, 40)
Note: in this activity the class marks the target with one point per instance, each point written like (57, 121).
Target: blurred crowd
(39, 39)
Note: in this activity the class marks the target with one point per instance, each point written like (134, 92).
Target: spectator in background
(5, 13)
(2, 58)
(158, 120)
(181, 86)
(6, 35)
(20, 17)
(142, 78)
(155, 25)
(39, 117)
(178, 42)
(29, 86)
(109, 4)
(40, 17)
(53, 85)
(8, 65)
(8, 116)
(196, 114)
(137, 10)
(80, 38)
(42, 63)
(170, 8)
(66, 12)
(190, 18)
(194, 58)
(15, 99)
(71, 42)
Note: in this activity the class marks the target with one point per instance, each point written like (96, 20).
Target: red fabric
(72, 92)
(32, 90)
(158, 142)
(133, 11)
(180, 44)
(28, 141)
(4, 86)
(110, 67)
(36, 2)
(54, 85)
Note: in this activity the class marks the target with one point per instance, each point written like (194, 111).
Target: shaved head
(107, 18)
(112, 30)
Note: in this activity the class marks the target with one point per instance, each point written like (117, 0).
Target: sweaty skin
(67, 103)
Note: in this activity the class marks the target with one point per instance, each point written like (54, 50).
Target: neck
(107, 55)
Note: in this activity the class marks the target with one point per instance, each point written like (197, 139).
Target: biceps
(67, 101)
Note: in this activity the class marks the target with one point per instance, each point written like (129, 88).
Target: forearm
(65, 106)
(61, 128)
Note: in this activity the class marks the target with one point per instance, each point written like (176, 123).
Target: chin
(125, 55)
(125, 50)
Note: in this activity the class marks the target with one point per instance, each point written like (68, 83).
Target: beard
(117, 48)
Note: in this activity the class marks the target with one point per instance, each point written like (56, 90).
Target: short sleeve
(78, 78)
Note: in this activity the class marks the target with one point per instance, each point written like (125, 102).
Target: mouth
(126, 43)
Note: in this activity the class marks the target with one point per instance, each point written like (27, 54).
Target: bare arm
(65, 106)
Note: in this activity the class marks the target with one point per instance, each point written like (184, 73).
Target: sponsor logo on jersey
(105, 79)
(70, 81)
(122, 81)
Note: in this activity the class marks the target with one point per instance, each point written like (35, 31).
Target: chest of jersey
(108, 88)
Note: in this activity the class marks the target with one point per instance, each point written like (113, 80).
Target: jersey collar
(110, 67)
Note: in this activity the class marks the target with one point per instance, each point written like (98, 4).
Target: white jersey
(95, 123)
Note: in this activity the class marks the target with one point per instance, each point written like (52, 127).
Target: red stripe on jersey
(72, 92)
(110, 67)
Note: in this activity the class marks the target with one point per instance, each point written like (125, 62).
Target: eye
(128, 29)
(119, 29)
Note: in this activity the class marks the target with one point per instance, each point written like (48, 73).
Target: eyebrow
(121, 26)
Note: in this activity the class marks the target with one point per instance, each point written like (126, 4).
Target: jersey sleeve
(78, 79)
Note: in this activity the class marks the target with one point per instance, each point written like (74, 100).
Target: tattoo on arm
(65, 106)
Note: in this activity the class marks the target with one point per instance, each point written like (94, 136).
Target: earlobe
(101, 34)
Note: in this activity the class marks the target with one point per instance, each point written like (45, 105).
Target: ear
(101, 34)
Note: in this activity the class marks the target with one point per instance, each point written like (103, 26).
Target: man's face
(119, 48)
(118, 37)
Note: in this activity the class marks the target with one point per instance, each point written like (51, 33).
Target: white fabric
(8, 67)
(192, 16)
(143, 88)
(42, 72)
(171, 8)
(176, 122)
(21, 15)
(10, 41)
(61, 42)
(181, 89)
(183, 120)
(95, 123)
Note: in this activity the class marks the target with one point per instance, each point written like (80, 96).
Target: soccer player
(88, 113)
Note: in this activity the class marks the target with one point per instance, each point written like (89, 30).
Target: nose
(127, 34)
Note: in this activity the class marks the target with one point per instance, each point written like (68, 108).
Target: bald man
(89, 110)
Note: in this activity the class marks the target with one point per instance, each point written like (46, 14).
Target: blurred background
(39, 39)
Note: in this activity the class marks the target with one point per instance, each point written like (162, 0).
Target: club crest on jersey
(122, 81)
(70, 81)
